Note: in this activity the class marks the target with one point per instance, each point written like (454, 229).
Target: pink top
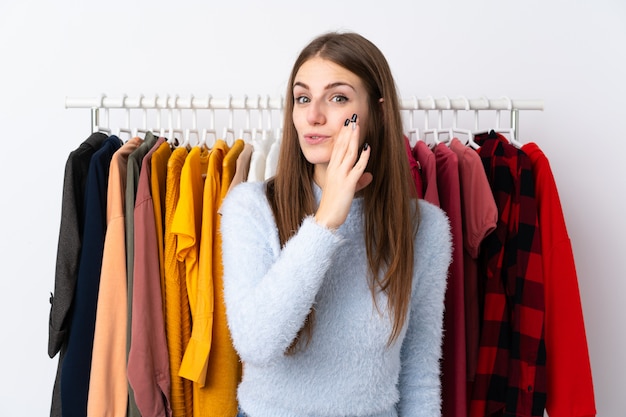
(425, 157)
(148, 361)
(415, 168)
(453, 381)
(480, 215)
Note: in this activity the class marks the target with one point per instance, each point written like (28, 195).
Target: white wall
(569, 54)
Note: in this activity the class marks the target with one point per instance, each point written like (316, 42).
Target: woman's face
(325, 95)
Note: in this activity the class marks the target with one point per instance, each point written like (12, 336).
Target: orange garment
(195, 360)
(210, 357)
(157, 189)
(108, 386)
(177, 314)
(233, 165)
(243, 166)
(224, 363)
(188, 217)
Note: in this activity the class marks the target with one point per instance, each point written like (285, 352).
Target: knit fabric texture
(347, 368)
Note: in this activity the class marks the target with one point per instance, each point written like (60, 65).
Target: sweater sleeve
(268, 290)
(420, 388)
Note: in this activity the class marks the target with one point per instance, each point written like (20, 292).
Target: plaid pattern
(511, 373)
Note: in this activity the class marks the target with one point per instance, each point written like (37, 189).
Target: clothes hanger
(440, 130)
(263, 135)
(279, 130)
(267, 134)
(509, 132)
(125, 130)
(159, 127)
(210, 131)
(246, 133)
(455, 130)
(229, 130)
(229, 136)
(413, 132)
(204, 142)
(98, 127)
(144, 129)
(135, 132)
(427, 130)
(194, 128)
(175, 130)
(187, 141)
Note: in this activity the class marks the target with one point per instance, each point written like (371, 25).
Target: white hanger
(440, 130)
(144, 125)
(427, 130)
(194, 127)
(127, 129)
(510, 131)
(229, 130)
(102, 128)
(413, 131)
(246, 133)
(211, 129)
(173, 130)
(476, 131)
(279, 129)
(267, 136)
(255, 133)
(159, 126)
(454, 130)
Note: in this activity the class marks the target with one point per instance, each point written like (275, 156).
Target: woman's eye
(339, 99)
(302, 100)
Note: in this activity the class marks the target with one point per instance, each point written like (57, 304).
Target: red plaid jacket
(511, 373)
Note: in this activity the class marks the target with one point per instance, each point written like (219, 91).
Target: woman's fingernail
(354, 117)
(347, 122)
(365, 146)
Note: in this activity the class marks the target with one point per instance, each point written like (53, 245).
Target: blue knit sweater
(347, 369)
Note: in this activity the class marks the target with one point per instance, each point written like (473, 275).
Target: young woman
(334, 273)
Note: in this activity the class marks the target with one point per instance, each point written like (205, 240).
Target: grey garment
(55, 407)
(132, 180)
(70, 235)
(68, 253)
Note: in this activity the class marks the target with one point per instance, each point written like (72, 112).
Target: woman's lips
(314, 139)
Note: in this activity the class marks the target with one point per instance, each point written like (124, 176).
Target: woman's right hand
(345, 176)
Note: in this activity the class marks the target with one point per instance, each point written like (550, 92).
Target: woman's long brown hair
(389, 216)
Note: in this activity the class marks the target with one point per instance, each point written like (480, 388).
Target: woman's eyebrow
(328, 87)
(339, 84)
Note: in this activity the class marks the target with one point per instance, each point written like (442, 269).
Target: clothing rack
(193, 103)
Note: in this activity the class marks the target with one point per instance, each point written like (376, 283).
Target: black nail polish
(354, 117)
(347, 122)
(365, 146)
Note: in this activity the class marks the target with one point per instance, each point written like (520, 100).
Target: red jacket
(569, 381)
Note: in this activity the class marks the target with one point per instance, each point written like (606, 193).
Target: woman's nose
(315, 113)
